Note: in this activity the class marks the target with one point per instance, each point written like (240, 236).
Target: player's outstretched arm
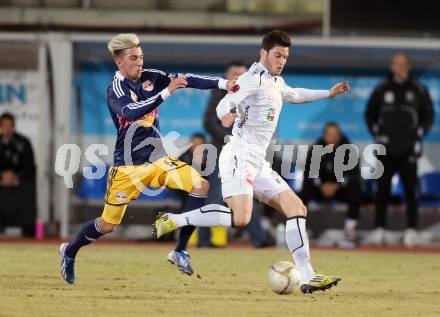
(303, 95)
(120, 101)
(163, 79)
(207, 82)
(196, 81)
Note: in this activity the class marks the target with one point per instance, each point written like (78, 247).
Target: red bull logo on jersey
(146, 121)
(121, 197)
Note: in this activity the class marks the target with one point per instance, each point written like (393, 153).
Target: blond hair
(120, 42)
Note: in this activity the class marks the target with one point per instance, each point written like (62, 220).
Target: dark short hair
(331, 124)
(8, 116)
(198, 135)
(235, 64)
(274, 38)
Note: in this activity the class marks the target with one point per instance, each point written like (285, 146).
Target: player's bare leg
(241, 206)
(289, 204)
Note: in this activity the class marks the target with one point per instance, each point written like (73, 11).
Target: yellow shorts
(125, 183)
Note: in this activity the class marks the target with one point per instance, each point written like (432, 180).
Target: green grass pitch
(136, 280)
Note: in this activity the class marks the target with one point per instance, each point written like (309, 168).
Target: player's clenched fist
(177, 83)
(339, 88)
(232, 85)
(228, 119)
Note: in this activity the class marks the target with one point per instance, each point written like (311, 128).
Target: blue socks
(88, 233)
(193, 201)
(91, 231)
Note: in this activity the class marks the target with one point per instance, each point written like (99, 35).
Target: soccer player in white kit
(254, 110)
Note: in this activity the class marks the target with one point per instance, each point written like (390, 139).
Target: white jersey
(259, 102)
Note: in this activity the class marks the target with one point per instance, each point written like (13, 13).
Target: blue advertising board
(183, 112)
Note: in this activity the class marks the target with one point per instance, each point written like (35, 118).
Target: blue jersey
(133, 107)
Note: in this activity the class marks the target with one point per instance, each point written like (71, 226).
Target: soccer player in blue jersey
(133, 98)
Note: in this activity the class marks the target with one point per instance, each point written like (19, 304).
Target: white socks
(206, 216)
(298, 243)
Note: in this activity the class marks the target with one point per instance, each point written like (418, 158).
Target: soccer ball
(283, 277)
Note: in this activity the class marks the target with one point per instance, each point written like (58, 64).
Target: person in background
(17, 178)
(398, 115)
(326, 187)
(259, 237)
(198, 157)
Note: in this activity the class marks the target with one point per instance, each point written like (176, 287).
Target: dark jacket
(398, 115)
(212, 124)
(326, 169)
(17, 155)
(187, 157)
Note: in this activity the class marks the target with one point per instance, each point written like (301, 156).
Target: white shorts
(242, 173)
